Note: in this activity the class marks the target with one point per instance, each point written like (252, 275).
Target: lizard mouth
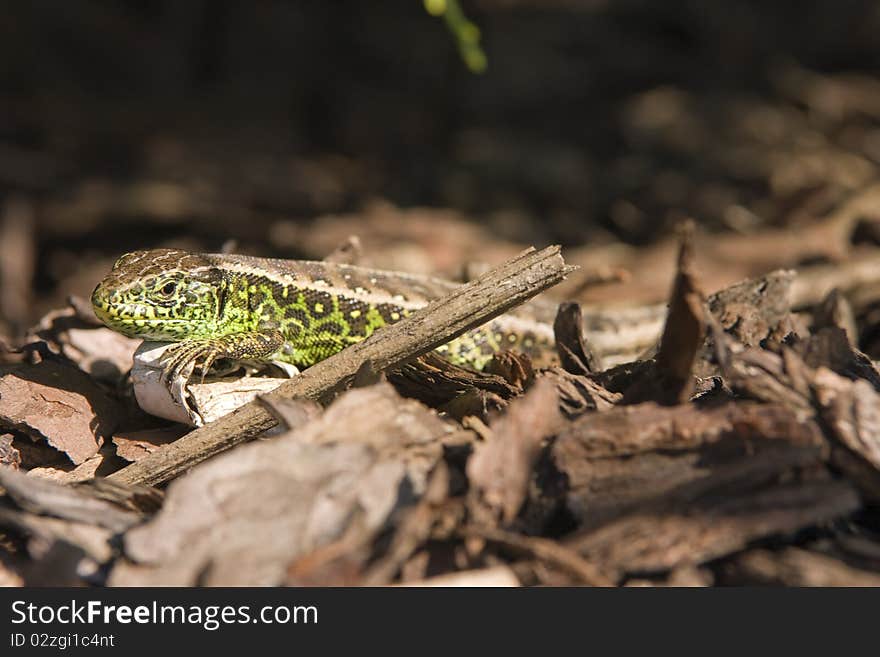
(137, 321)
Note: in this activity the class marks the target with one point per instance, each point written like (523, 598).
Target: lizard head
(161, 294)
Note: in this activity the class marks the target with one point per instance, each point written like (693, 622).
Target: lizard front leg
(181, 359)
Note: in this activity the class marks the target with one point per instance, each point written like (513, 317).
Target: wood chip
(575, 354)
(685, 328)
(650, 542)
(59, 404)
(9, 456)
(795, 567)
(283, 497)
(617, 460)
(44, 497)
(501, 468)
(75, 333)
(499, 576)
(94, 541)
(752, 309)
(135, 445)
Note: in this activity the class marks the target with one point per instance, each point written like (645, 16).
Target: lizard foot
(181, 359)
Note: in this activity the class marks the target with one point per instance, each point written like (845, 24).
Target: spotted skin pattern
(299, 312)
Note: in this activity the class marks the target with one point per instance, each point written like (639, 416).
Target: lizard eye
(168, 289)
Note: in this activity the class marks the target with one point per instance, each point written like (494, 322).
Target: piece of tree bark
(846, 408)
(616, 461)
(279, 500)
(9, 456)
(836, 311)
(668, 378)
(93, 540)
(438, 383)
(497, 576)
(500, 469)
(830, 347)
(49, 498)
(552, 553)
(417, 525)
(752, 309)
(861, 271)
(794, 567)
(574, 351)
(692, 533)
(579, 394)
(685, 327)
(59, 404)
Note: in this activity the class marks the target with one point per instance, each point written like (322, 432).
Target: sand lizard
(218, 306)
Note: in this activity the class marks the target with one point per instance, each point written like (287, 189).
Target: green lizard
(229, 306)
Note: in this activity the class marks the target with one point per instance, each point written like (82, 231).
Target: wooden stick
(469, 306)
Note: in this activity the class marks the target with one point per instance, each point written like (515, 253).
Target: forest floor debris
(742, 448)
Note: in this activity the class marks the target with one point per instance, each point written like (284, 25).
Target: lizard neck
(236, 314)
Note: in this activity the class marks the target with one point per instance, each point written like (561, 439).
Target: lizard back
(324, 307)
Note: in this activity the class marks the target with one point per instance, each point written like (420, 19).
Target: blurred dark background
(287, 126)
